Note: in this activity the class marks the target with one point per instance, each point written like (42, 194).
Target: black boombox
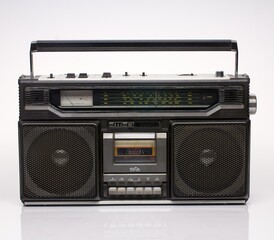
(134, 138)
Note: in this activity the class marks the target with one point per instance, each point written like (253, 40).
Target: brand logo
(134, 169)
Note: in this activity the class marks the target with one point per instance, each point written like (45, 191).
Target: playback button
(112, 191)
(157, 191)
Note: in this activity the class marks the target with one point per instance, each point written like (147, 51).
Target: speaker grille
(209, 160)
(36, 97)
(59, 161)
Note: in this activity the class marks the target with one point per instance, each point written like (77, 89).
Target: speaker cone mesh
(59, 161)
(209, 160)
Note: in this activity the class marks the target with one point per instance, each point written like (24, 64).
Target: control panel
(140, 186)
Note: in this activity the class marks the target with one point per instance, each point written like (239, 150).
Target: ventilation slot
(36, 97)
(232, 96)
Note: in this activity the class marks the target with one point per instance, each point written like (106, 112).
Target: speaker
(58, 160)
(210, 160)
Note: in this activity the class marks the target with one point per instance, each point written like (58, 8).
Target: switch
(219, 74)
(121, 191)
(130, 191)
(71, 75)
(106, 75)
(112, 191)
(139, 191)
(157, 191)
(148, 191)
(83, 75)
(126, 74)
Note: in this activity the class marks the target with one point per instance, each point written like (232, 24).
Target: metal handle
(133, 45)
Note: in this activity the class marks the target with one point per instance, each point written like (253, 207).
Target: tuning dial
(252, 104)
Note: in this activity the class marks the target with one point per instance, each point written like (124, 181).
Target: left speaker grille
(59, 161)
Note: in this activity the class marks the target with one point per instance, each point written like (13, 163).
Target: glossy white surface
(113, 223)
(250, 22)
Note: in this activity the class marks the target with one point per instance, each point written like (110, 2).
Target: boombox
(95, 139)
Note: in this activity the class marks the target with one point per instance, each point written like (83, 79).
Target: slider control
(83, 75)
(106, 75)
(219, 74)
(71, 75)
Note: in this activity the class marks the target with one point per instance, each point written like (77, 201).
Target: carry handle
(133, 45)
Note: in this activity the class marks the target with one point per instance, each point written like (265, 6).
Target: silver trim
(137, 202)
(136, 114)
(108, 136)
(161, 135)
(132, 135)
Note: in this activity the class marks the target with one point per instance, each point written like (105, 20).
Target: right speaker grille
(209, 160)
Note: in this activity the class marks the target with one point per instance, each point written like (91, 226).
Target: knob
(252, 104)
(143, 74)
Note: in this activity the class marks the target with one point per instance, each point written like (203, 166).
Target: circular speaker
(60, 161)
(208, 159)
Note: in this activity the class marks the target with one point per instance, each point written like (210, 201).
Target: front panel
(155, 142)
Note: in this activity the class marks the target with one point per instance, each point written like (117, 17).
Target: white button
(112, 191)
(139, 191)
(157, 191)
(130, 191)
(121, 191)
(148, 191)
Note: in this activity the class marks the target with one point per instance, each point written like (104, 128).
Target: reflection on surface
(135, 222)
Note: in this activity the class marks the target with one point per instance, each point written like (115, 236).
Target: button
(71, 75)
(106, 75)
(126, 74)
(139, 191)
(112, 191)
(157, 191)
(130, 191)
(148, 190)
(219, 74)
(143, 74)
(83, 75)
(121, 191)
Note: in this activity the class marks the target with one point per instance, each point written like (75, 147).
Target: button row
(156, 191)
(135, 178)
(104, 75)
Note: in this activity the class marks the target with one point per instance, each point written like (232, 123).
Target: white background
(249, 22)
